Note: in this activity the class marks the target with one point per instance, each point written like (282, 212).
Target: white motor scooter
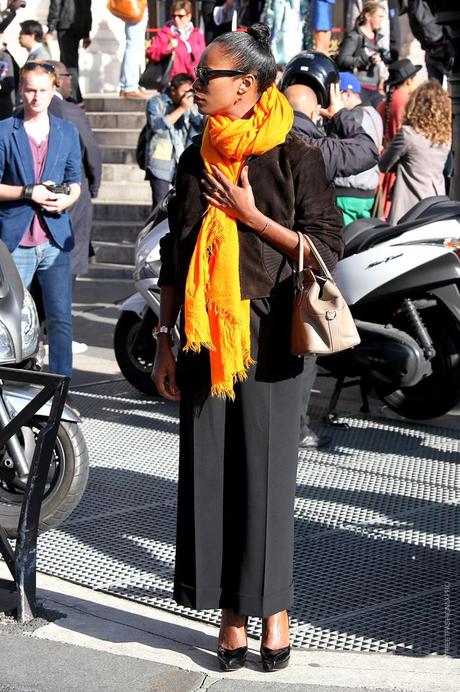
(402, 284)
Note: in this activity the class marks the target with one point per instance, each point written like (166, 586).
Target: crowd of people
(375, 87)
(262, 141)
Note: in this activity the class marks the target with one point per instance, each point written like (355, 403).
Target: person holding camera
(40, 159)
(363, 54)
(173, 120)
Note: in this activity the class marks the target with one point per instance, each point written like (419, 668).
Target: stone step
(106, 270)
(113, 104)
(114, 253)
(118, 154)
(116, 231)
(112, 210)
(124, 191)
(117, 136)
(126, 120)
(119, 172)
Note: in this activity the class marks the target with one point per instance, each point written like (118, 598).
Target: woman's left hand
(234, 200)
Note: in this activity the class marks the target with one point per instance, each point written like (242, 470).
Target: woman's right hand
(164, 370)
(173, 43)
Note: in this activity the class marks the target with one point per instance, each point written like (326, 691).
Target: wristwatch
(28, 191)
(163, 330)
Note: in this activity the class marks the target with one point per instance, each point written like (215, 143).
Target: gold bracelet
(264, 229)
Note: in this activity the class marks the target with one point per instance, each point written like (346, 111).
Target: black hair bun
(261, 33)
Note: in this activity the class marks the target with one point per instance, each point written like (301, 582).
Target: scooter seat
(357, 231)
(366, 233)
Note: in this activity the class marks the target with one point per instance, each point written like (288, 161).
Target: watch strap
(162, 329)
(28, 191)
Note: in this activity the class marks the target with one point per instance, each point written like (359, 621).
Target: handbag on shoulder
(321, 319)
(131, 11)
(157, 73)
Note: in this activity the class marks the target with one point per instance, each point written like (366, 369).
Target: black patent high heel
(232, 659)
(275, 659)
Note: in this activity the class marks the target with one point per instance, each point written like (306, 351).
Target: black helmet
(315, 70)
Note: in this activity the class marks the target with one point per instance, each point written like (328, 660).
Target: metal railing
(22, 562)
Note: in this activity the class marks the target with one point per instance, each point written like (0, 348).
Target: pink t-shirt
(37, 233)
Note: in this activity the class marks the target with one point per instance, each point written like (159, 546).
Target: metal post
(23, 562)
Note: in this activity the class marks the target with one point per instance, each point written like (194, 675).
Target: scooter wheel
(135, 355)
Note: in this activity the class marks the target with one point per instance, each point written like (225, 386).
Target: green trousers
(354, 208)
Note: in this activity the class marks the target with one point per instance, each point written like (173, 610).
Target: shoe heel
(275, 659)
(232, 659)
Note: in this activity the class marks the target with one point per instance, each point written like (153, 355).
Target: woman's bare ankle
(232, 634)
(275, 631)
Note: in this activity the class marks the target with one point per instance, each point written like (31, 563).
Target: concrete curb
(99, 625)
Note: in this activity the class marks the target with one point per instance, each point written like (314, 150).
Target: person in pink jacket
(179, 37)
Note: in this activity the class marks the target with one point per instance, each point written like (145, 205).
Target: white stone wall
(99, 64)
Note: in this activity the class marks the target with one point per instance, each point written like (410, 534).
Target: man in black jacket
(72, 20)
(346, 148)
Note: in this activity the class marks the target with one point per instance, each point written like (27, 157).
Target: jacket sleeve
(156, 115)
(315, 212)
(53, 14)
(347, 149)
(350, 57)
(72, 171)
(394, 151)
(182, 205)
(198, 46)
(92, 156)
(158, 47)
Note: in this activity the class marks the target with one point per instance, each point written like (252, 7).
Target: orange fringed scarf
(215, 315)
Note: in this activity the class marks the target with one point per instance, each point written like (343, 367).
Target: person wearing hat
(355, 193)
(400, 84)
(402, 81)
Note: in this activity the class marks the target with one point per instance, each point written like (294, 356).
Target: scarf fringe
(196, 346)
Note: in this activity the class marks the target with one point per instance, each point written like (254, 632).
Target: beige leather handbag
(321, 319)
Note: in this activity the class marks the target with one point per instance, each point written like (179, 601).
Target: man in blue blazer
(38, 151)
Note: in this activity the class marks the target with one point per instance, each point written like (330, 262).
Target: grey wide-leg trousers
(237, 480)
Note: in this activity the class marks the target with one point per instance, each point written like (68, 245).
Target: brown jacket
(289, 185)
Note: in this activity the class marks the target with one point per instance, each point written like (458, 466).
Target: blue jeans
(134, 56)
(53, 268)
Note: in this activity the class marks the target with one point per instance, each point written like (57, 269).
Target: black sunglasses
(35, 65)
(204, 74)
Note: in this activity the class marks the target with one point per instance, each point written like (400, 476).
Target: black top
(290, 186)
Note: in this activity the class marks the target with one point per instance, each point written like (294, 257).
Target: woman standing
(362, 53)
(180, 38)
(227, 264)
(419, 150)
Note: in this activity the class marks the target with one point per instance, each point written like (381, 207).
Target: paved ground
(92, 640)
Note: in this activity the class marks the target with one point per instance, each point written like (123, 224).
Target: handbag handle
(315, 253)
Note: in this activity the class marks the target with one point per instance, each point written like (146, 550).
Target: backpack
(143, 139)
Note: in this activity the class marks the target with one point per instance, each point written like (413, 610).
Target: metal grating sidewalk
(377, 564)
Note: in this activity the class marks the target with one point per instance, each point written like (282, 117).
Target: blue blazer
(63, 165)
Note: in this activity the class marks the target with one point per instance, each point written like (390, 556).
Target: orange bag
(130, 11)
